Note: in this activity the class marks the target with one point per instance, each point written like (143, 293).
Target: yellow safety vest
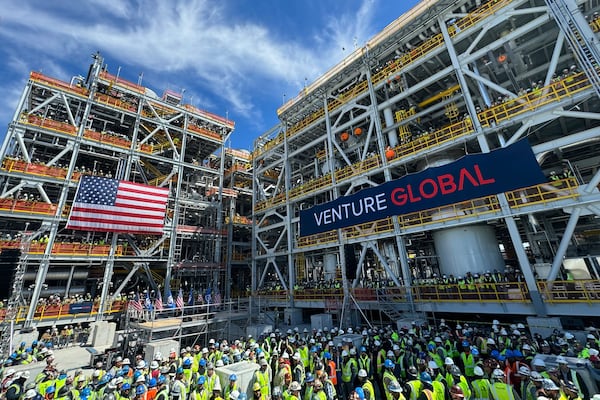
(481, 388)
(347, 370)
(501, 391)
(368, 388)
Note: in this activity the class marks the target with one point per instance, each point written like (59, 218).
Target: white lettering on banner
(365, 205)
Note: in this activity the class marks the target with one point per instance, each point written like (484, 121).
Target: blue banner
(470, 177)
(81, 308)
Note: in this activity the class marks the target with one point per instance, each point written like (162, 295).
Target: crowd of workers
(417, 362)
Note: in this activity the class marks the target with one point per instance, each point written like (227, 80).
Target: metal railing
(582, 291)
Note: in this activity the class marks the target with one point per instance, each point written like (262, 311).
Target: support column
(513, 230)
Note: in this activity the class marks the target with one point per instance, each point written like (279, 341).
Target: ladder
(16, 298)
(580, 37)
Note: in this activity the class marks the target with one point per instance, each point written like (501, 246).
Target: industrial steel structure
(104, 125)
(447, 79)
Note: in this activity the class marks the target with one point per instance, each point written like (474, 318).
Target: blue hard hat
(363, 349)
(309, 377)
(474, 351)
(126, 386)
(388, 363)
(243, 396)
(125, 369)
(201, 380)
(162, 379)
(517, 353)
(360, 392)
(179, 370)
(50, 389)
(430, 347)
(465, 343)
(152, 382)
(327, 355)
(86, 391)
(203, 362)
(140, 390)
(495, 353)
(187, 362)
(136, 375)
(23, 344)
(508, 353)
(501, 358)
(425, 377)
(233, 377)
(34, 343)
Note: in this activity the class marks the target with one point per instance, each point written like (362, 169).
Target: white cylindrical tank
(463, 249)
(330, 266)
(388, 116)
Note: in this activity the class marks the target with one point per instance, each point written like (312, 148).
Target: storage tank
(471, 248)
(329, 266)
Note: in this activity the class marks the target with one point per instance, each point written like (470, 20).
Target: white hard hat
(448, 361)
(362, 373)
(561, 360)
(538, 362)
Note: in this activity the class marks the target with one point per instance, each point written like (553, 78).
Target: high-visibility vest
(332, 372)
(501, 391)
(364, 362)
(415, 388)
(347, 370)
(388, 379)
(481, 389)
(368, 388)
(263, 380)
(469, 363)
(308, 392)
(439, 390)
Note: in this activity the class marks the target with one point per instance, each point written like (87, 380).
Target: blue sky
(233, 57)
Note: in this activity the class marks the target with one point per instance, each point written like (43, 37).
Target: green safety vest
(469, 363)
(481, 389)
(501, 391)
(347, 370)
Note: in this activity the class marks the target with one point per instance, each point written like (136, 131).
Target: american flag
(158, 305)
(136, 304)
(179, 301)
(110, 205)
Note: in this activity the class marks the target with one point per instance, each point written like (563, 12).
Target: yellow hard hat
(256, 386)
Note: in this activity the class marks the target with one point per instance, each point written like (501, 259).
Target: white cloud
(204, 41)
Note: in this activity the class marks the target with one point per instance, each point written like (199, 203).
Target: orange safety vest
(332, 373)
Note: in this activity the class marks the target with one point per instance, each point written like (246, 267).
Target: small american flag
(179, 301)
(136, 304)
(158, 305)
(110, 205)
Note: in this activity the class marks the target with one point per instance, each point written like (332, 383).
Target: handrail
(57, 83)
(405, 59)
(69, 249)
(575, 291)
(30, 207)
(57, 312)
(122, 82)
(38, 169)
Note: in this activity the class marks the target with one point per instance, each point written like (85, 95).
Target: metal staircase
(16, 297)
(393, 305)
(580, 36)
